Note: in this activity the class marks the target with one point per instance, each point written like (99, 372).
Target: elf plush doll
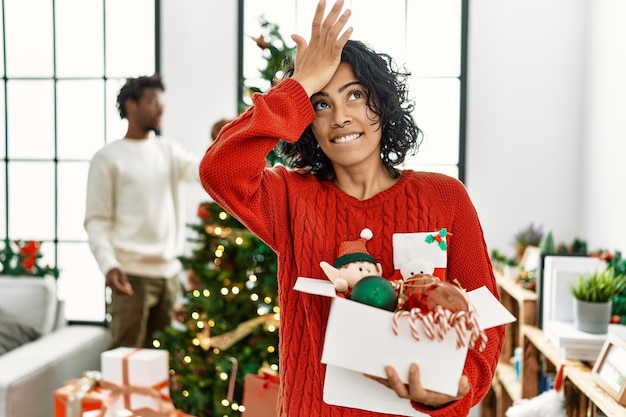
(353, 263)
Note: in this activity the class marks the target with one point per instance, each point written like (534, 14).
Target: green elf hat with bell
(354, 250)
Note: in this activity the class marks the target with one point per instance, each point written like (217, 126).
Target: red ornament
(203, 211)
(427, 292)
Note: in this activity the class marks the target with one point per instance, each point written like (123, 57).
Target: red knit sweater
(304, 220)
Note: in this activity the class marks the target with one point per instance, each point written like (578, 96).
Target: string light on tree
(230, 313)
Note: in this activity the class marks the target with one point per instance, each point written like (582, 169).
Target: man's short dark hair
(133, 89)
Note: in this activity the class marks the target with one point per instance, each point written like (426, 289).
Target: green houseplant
(593, 294)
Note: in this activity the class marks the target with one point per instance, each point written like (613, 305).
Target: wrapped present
(135, 378)
(142, 412)
(260, 395)
(78, 395)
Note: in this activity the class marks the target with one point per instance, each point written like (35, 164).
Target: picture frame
(569, 266)
(609, 370)
(530, 259)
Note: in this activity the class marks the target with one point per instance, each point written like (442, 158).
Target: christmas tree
(229, 322)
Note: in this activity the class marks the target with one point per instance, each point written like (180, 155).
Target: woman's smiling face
(346, 129)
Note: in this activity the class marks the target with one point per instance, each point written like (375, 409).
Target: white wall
(604, 181)
(545, 125)
(199, 67)
(526, 79)
(546, 101)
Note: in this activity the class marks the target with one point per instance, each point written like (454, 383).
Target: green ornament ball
(375, 291)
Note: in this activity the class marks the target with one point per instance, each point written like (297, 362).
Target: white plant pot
(511, 271)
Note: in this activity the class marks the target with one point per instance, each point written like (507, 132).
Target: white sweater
(134, 215)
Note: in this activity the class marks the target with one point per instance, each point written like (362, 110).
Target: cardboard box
(360, 340)
(133, 367)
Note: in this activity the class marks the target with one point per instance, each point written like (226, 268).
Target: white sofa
(32, 371)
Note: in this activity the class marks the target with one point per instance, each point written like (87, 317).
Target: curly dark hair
(387, 97)
(133, 89)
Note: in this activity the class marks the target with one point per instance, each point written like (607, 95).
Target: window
(428, 37)
(62, 65)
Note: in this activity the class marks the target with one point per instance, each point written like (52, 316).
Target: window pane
(81, 284)
(80, 118)
(126, 54)
(283, 15)
(28, 38)
(71, 194)
(79, 42)
(47, 252)
(30, 119)
(1, 41)
(3, 136)
(115, 126)
(304, 13)
(434, 34)
(389, 37)
(3, 200)
(422, 36)
(414, 164)
(437, 114)
(31, 200)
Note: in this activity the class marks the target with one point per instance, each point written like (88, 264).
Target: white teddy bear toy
(416, 267)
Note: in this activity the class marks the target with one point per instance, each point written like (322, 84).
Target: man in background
(134, 215)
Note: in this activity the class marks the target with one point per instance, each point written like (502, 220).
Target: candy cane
(394, 322)
(459, 320)
(231, 383)
(477, 332)
(429, 324)
(442, 317)
(414, 316)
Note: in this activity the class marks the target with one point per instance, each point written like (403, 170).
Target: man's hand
(414, 390)
(118, 282)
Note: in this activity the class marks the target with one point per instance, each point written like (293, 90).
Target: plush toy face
(355, 271)
(416, 267)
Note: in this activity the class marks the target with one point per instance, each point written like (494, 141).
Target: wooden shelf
(582, 396)
(584, 388)
(506, 375)
(522, 304)
(506, 389)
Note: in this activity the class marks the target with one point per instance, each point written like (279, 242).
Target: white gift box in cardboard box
(360, 340)
(136, 367)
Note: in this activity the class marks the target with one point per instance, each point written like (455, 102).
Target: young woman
(344, 124)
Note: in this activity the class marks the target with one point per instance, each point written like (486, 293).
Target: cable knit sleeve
(233, 170)
(469, 262)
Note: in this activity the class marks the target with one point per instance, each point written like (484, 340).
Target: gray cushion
(14, 333)
(32, 299)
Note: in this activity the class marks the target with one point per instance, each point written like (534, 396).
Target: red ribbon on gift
(78, 395)
(167, 408)
(268, 379)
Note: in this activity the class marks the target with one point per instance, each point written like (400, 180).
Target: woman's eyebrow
(341, 89)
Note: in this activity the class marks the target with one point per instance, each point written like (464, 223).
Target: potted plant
(530, 235)
(593, 294)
